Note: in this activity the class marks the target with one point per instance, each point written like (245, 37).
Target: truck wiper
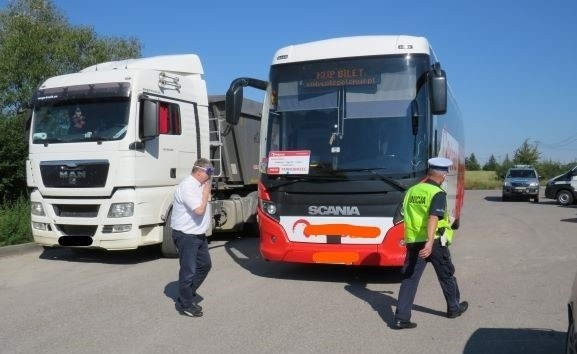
(387, 180)
(95, 138)
(48, 141)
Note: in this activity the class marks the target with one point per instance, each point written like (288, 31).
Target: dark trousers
(195, 264)
(413, 270)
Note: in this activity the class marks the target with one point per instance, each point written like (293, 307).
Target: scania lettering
(348, 125)
(108, 145)
(333, 210)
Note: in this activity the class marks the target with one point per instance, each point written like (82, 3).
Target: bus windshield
(352, 114)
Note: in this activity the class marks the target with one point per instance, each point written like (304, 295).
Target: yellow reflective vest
(416, 207)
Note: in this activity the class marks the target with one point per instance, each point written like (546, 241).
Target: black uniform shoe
(193, 311)
(405, 324)
(463, 306)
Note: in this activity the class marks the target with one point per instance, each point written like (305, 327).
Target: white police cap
(440, 164)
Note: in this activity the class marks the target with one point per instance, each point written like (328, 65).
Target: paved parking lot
(515, 263)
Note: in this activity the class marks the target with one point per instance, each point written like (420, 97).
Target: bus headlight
(269, 208)
(37, 209)
(121, 210)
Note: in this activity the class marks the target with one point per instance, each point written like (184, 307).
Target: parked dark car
(563, 188)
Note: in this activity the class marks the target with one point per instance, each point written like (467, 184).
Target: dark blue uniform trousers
(413, 270)
(195, 264)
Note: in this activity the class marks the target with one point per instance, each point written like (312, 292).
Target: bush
(482, 180)
(15, 222)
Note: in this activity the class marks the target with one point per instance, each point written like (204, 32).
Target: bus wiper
(292, 179)
(387, 180)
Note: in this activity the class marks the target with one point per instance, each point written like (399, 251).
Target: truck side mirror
(438, 89)
(148, 119)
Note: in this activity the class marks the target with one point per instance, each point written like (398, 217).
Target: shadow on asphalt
(245, 252)
(90, 255)
(515, 340)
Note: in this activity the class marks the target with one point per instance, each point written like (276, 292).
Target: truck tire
(564, 197)
(168, 248)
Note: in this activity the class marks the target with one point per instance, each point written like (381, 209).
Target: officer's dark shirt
(439, 202)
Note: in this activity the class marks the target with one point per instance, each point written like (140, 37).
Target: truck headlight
(121, 210)
(507, 184)
(37, 209)
(534, 184)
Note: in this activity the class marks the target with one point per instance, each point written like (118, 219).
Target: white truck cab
(108, 145)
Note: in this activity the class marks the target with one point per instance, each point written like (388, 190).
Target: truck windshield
(352, 114)
(80, 120)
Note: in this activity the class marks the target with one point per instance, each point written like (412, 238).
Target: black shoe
(193, 311)
(405, 324)
(194, 304)
(463, 306)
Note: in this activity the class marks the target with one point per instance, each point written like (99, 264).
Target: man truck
(108, 145)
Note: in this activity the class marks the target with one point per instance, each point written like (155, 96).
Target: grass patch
(15, 222)
(482, 180)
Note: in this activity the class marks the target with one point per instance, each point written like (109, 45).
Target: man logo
(333, 210)
(71, 175)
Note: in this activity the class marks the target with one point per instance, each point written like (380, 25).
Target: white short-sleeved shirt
(187, 197)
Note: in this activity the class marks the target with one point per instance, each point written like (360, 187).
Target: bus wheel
(564, 197)
(168, 248)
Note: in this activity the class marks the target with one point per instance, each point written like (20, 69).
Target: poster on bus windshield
(288, 162)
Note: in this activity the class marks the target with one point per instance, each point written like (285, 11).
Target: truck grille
(74, 174)
(76, 211)
(77, 230)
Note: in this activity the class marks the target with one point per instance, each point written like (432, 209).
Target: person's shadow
(382, 302)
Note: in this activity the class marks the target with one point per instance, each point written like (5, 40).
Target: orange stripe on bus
(342, 230)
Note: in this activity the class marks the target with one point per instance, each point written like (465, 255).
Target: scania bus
(348, 125)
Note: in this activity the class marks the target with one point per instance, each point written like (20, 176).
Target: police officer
(427, 234)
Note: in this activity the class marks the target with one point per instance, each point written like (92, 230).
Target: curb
(19, 249)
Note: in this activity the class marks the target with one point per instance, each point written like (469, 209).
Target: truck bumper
(85, 223)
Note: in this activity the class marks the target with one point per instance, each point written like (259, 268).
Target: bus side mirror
(234, 97)
(438, 89)
(149, 119)
(233, 104)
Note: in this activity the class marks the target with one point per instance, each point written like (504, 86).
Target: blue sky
(511, 64)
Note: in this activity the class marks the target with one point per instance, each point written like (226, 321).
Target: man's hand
(426, 251)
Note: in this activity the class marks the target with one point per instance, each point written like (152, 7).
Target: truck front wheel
(564, 197)
(168, 247)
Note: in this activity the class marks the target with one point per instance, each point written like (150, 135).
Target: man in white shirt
(191, 218)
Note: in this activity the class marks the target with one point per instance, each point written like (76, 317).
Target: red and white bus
(348, 125)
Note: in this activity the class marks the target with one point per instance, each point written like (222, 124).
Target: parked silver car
(521, 181)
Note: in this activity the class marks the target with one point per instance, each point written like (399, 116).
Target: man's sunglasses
(208, 170)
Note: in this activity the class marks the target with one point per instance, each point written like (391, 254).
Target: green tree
(549, 169)
(527, 154)
(504, 167)
(471, 163)
(491, 165)
(37, 42)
